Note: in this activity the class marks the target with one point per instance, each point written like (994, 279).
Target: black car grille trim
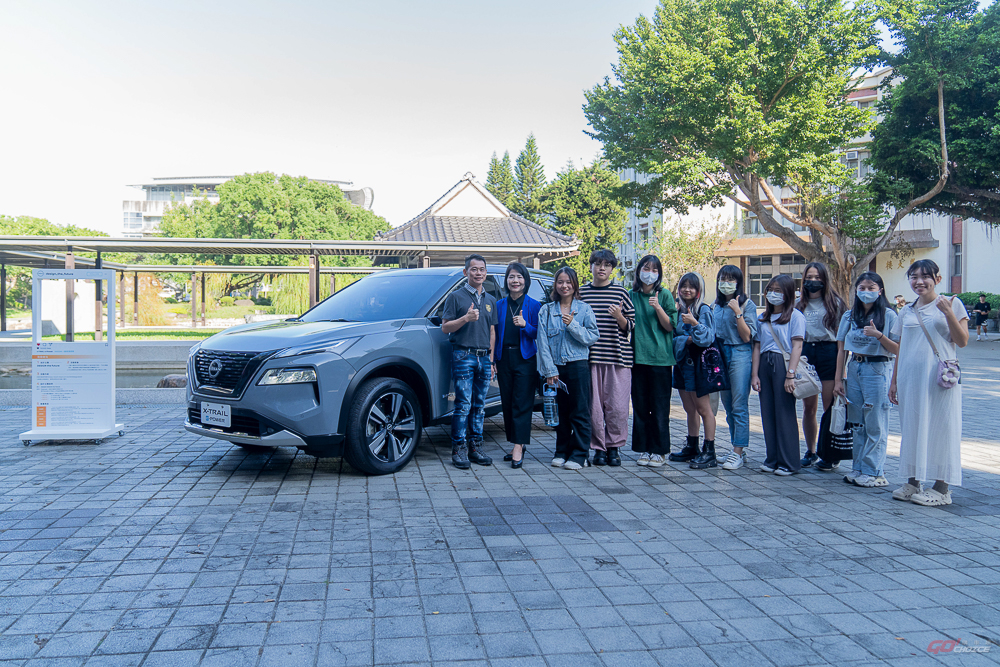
(237, 369)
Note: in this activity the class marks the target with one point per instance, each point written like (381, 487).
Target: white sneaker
(655, 461)
(905, 492)
(572, 465)
(851, 476)
(931, 498)
(978, 338)
(766, 468)
(643, 459)
(869, 482)
(558, 462)
(734, 461)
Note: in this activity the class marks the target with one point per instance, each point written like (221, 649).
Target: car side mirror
(435, 320)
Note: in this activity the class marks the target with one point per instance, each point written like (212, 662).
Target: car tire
(383, 426)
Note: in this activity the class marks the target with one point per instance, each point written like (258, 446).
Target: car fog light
(288, 376)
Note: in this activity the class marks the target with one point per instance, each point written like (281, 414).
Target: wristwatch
(739, 316)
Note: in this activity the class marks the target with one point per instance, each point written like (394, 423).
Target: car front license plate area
(216, 414)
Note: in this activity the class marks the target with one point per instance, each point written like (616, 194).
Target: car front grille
(222, 371)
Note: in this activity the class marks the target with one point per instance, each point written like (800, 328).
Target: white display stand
(72, 384)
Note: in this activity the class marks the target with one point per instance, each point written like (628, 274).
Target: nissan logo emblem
(214, 368)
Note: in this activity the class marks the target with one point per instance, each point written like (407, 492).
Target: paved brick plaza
(162, 548)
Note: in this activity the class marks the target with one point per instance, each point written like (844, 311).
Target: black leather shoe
(600, 458)
(614, 458)
(689, 451)
(476, 454)
(707, 457)
(508, 457)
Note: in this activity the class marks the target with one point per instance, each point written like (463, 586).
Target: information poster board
(72, 383)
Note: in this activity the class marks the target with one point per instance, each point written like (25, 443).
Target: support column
(121, 298)
(3, 297)
(99, 303)
(425, 261)
(135, 299)
(313, 278)
(203, 299)
(333, 284)
(70, 293)
(194, 300)
(536, 263)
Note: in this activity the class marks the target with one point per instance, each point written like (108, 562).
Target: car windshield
(381, 296)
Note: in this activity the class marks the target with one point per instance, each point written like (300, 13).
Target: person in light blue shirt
(865, 332)
(736, 327)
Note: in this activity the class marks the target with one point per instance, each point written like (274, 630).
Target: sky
(404, 97)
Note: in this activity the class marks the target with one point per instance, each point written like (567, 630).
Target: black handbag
(710, 374)
(833, 447)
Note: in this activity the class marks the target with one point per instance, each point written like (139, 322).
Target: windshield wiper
(339, 319)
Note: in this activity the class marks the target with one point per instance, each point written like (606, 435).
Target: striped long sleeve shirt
(613, 347)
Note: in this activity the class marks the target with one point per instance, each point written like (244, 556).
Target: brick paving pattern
(161, 548)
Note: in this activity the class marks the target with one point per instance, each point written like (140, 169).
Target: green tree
(500, 180)
(266, 206)
(745, 100)
(683, 249)
(944, 45)
(582, 202)
(530, 177)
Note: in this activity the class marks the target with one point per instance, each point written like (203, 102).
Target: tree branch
(767, 221)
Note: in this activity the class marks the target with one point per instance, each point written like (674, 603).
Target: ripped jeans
(472, 375)
(868, 392)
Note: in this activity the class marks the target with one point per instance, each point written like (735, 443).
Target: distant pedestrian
(696, 330)
(566, 330)
(931, 329)
(469, 316)
(736, 326)
(866, 333)
(823, 308)
(900, 302)
(517, 370)
(653, 343)
(780, 322)
(610, 359)
(982, 315)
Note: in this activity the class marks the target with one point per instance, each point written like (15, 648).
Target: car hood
(269, 336)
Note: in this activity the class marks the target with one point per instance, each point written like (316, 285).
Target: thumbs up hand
(473, 313)
(871, 331)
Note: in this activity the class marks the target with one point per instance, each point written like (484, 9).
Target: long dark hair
(571, 272)
(730, 273)
(694, 280)
(835, 306)
(520, 268)
(654, 263)
(785, 285)
(877, 313)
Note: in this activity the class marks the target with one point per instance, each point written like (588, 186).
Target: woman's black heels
(510, 457)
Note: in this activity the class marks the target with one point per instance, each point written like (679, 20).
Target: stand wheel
(121, 433)
(26, 442)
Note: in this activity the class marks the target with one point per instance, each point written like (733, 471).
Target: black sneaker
(600, 458)
(614, 458)
(809, 459)
(827, 466)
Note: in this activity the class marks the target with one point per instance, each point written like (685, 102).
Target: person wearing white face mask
(653, 344)
(865, 332)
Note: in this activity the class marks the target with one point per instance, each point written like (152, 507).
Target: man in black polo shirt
(469, 317)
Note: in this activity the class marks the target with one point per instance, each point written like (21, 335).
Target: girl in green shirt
(653, 343)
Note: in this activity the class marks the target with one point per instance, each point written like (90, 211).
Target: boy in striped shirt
(610, 359)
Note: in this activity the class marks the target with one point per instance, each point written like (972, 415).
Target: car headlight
(288, 376)
(333, 346)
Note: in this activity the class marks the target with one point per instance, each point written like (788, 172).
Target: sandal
(931, 498)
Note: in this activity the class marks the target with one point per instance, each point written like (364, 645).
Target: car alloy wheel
(391, 427)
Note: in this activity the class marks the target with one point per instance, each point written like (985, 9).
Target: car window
(545, 287)
(493, 289)
(440, 307)
(538, 290)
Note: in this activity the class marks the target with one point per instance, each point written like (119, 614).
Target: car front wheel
(384, 426)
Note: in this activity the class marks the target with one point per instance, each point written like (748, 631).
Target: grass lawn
(165, 334)
(220, 312)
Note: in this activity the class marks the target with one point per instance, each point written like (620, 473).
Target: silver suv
(357, 376)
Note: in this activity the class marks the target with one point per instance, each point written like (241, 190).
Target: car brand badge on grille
(214, 368)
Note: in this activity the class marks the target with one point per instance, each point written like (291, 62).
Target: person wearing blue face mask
(865, 333)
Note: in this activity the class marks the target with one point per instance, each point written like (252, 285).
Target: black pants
(573, 432)
(518, 378)
(651, 392)
(777, 414)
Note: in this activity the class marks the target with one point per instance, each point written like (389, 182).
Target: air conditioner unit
(852, 155)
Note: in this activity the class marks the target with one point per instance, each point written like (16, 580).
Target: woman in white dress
(930, 415)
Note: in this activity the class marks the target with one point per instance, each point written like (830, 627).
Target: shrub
(262, 301)
(970, 299)
(170, 299)
(227, 301)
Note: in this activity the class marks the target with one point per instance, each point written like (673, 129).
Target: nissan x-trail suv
(359, 375)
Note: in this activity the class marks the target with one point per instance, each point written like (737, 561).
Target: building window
(760, 260)
(956, 259)
(792, 259)
(757, 285)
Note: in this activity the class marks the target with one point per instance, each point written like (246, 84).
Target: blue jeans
(739, 364)
(868, 393)
(472, 376)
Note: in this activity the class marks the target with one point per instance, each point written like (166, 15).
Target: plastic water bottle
(549, 408)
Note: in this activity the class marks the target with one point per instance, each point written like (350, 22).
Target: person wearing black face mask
(823, 309)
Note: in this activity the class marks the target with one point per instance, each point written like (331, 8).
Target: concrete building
(142, 216)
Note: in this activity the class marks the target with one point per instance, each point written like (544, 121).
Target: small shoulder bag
(949, 372)
(807, 381)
